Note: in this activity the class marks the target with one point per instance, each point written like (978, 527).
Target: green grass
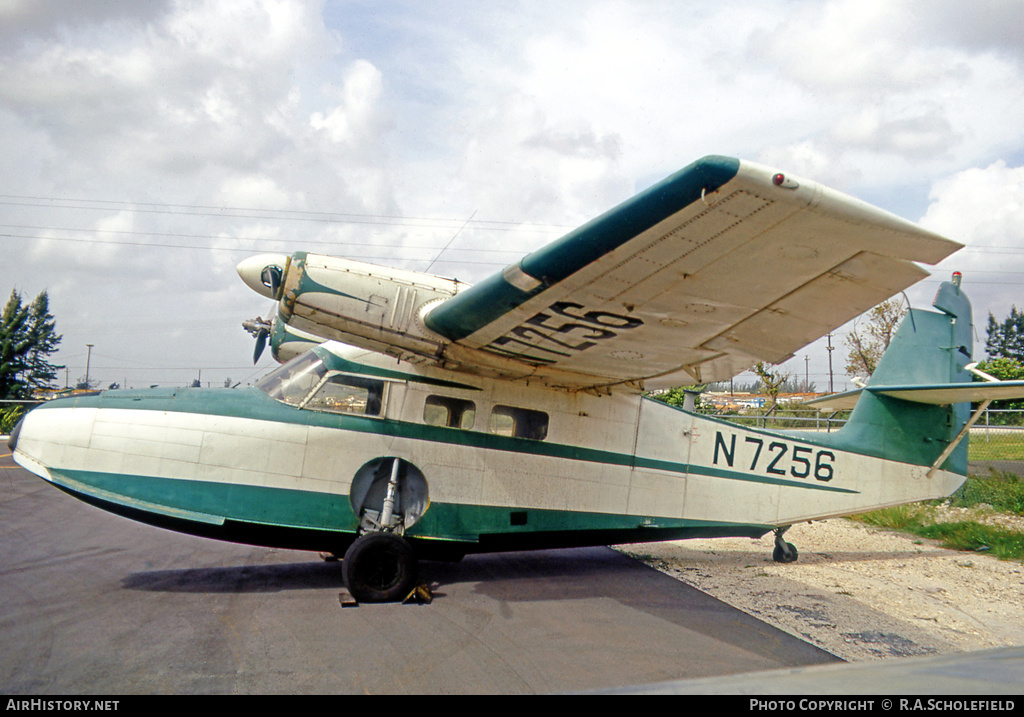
(971, 536)
(1003, 491)
(999, 446)
(908, 518)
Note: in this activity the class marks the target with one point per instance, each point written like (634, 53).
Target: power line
(218, 237)
(261, 213)
(249, 250)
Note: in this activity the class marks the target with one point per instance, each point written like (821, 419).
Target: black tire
(785, 556)
(379, 567)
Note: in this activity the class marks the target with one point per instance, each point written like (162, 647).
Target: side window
(348, 394)
(449, 412)
(519, 423)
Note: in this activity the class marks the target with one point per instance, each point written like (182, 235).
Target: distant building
(739, 401)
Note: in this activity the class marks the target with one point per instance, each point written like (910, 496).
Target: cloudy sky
(150, 145)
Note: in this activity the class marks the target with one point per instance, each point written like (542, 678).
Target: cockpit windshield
(307, 382)
(291, 382)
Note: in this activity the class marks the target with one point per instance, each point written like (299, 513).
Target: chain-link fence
(997, 443)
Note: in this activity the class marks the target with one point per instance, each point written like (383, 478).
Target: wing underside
(720, 266)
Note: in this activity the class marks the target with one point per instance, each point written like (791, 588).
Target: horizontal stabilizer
(938, 395)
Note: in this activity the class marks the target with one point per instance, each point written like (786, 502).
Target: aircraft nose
(263, 273)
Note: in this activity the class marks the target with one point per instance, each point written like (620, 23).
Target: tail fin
(892, 417)
(935, 348)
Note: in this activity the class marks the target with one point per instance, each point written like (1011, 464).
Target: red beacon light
(781, 180)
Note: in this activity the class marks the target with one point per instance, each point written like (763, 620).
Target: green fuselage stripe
(217, 503)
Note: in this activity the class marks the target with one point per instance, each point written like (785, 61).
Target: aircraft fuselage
(303, 460)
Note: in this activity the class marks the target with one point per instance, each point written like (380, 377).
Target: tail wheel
(785, 553)
(379, 567)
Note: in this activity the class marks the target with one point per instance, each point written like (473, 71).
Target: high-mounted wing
(723, 264)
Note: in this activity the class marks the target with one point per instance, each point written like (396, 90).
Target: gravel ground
(859, 592)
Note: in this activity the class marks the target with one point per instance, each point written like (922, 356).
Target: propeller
(260, 329)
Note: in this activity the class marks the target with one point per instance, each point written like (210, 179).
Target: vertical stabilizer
(929, 348)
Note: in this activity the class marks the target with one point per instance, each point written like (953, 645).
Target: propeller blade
(261, 343)
(271, 277)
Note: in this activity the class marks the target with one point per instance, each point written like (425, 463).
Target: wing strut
(959, 437)
(967, 426)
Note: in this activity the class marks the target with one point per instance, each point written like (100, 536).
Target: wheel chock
(346, 599)
(420, 594)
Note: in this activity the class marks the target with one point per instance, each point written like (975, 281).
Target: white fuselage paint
(638, 458)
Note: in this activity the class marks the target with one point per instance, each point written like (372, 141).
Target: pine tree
(13, 347)
(45, 340)
(1005, 369)
(1006, 339)
(27, 337)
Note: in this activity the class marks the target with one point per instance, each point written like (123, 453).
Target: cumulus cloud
(920, 136)
(854, 46)
(983, 207)
(181, 90)
(30, 20)
(380, 130)
(986, 26)
(355, 120)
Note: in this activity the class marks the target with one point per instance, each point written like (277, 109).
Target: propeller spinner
(264, 273)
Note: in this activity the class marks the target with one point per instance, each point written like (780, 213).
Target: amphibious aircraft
(414, 416)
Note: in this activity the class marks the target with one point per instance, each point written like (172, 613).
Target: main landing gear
(380, 567)
(784, 552)
(388, 495)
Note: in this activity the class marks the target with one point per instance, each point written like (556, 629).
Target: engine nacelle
(321, 297)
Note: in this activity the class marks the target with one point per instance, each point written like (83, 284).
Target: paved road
(96, 604)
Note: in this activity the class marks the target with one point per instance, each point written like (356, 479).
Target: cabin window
(348, 394)
(519, 423)
(449, 412)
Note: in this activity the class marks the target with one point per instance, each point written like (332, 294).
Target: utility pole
(830, 348)
(807, 374)
(88, 361)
